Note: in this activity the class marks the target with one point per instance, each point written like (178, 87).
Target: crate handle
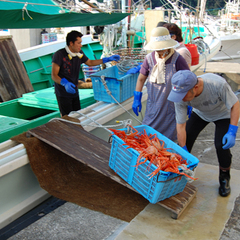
(173, 177)
(167, 179)
(105, 84)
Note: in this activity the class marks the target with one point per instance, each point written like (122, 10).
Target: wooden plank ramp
(178, 203)
(14, 80)
(83, 146)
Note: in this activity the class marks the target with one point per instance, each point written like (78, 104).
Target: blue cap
(182, 82)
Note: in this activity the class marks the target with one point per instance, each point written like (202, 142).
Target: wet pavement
(207, 211)
(205, 152)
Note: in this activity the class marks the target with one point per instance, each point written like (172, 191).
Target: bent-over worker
(214, 101)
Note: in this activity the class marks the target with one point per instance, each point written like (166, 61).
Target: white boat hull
(19, 187)
(230, 48)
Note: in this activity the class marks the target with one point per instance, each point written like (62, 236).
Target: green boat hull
(38, 107)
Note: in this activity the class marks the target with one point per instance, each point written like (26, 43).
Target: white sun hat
(160, 40)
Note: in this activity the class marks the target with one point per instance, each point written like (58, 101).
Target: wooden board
(14, 80)
(95, 152)
(79, 144)
(178, 203)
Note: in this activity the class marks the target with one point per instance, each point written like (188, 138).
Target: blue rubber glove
(112, 58)
(229, 137)
(185, 148)
(70, 87)
(137, 105)
(189, 111)
(134, 69)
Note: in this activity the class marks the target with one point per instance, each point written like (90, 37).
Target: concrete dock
(229, 70)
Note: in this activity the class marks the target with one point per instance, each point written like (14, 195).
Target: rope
(72, 6)
(25, 9)
(208, 29)
(126, 63)
(30, 3)
(212, 140)
(187, 171)
(109, 93)
(109, 39)
(123, 123)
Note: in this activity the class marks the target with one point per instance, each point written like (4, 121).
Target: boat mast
(129, 23)
(124, 21)
(202, 9)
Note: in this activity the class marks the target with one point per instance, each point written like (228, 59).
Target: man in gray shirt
(214, 101)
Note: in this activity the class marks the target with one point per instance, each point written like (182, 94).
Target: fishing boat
(228, 30)
(225, 27)
(194, 31)
(38, 107)
(20, 190)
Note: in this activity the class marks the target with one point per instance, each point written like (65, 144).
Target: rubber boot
(224, 180)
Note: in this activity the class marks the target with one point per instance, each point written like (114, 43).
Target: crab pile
(152, 149)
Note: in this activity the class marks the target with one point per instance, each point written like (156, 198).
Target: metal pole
(92, 5)
(129, 23)
(124, 22)
(169, 15)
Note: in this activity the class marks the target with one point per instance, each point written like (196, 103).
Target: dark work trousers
(196, 124)
(67, 105)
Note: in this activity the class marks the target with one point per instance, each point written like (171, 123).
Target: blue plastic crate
(90, 70)
(120, 84)
(157, 188)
